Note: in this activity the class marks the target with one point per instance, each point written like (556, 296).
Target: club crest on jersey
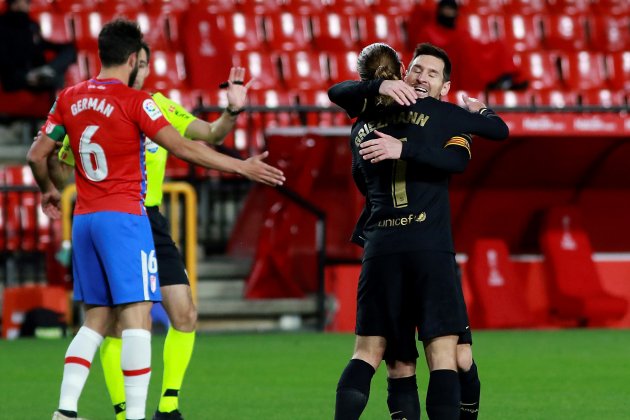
(153, 281)
(150, 146)
(151, 109)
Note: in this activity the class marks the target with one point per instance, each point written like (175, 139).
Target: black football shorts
(171, 269)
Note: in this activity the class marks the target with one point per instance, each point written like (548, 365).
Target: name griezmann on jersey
(405, 117)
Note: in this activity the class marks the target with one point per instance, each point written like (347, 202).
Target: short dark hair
(429, 49)
(117, 41)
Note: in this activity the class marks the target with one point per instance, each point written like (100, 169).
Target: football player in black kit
(402, 160)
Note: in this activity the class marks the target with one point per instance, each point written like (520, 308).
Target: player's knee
(464, 357)
(185, 319)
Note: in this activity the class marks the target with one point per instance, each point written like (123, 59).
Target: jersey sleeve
(147, 114)
(484, 123)
(53, 127)
(354, 96)
(174, 113)
(65, 153)
(453, 157)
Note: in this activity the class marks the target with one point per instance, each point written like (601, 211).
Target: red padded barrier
(575, 288)
(19, 300)
(499, 293)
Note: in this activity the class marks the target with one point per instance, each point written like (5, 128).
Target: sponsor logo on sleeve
(151, 109)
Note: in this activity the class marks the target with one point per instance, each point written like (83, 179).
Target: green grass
(561, 374)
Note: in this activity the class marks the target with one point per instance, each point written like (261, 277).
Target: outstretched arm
(253, 168)
(478, 119)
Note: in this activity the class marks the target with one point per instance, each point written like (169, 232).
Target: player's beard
(133, 75)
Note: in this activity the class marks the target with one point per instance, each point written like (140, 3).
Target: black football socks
(402, 398)
(443, 395)
(471, 390)
(353, 390)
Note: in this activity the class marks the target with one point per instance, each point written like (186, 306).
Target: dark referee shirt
(407, 199)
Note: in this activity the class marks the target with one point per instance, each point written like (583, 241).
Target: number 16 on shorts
(150, 282)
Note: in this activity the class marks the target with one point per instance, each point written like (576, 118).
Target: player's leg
(90, 287)
(178, 303)
(178, 346)
(443, 392)
(468, 381)
(441, 319)
(378, 300)
(402, 390)
(79, 356)
(131, 269)
(353, 388)
(110, 353)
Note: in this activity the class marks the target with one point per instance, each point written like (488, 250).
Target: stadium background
(540, 221)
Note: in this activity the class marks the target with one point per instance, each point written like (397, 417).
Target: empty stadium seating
(575, 287)
(498, 292)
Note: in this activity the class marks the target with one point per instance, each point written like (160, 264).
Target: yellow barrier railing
(174, 190)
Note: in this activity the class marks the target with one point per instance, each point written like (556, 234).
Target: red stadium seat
(87, 25)
(575, 287)
(258, 6)
(74, 6)
(603, 97)
(168, 71)
(609, 33)
(497, 290)
(241, 31)
(483, 7)
(618, 67)
(343, 66)
(112, 7)
(393, 7)
(525, 7)
(304, 70)
(354, 7)
(303, 7)
(555, 98)
(334, 32)
(287, 31)
(481, 27)
(611, 7)
(569, 6)
(272, 99)
(264, 68)
(381, 28)
(160, 30)
(189, 99)
(55, 26)
(565, 32)
(39, 6)
(583, 70)
(522, 32)
(510, 98)
(319, 97)
(540, 68)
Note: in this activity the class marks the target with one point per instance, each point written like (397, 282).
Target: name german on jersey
(92, 103)
(405, 117)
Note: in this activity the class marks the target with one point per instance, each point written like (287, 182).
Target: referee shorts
(170, 264)
(401, 293)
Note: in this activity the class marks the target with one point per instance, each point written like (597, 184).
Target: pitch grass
(567, 374)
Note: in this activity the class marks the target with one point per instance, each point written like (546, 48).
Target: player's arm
(452, 158)
(253, 168)
(37, 158)
(477, 119)
(61, 165)
(214, 132)
(356, 97)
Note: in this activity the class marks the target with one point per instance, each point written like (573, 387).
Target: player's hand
(257, 170)
(472, 104)
(382, 148)
(51, 204)
(400, 91)
(236, 90)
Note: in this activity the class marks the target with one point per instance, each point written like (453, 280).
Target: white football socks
(136, 365)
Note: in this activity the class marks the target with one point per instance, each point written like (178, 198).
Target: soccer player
(174, 285)
(408, 277)
(114, 262)
(401, 376)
